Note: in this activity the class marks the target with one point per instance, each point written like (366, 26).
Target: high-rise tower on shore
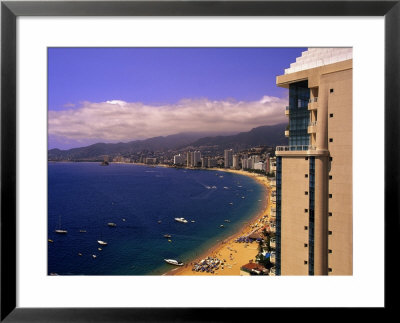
(314, 219)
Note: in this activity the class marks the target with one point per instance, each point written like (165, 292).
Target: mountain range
(261, 136)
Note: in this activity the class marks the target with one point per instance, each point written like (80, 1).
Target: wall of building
(294, 219)
(340, 222)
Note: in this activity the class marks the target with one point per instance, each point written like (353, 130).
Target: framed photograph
(190, 156)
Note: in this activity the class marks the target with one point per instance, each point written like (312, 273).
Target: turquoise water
(86, 196)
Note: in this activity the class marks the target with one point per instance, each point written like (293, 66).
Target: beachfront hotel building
(228, 158)
(235, 162)
(314, 220)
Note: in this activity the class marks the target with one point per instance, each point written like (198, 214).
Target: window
(330, 213)
(305, 262)
(330, 196)
(306, 175)
(305, 193)
(305, 245)
(330, 115)
(306, 228)
(330, 233)
(330, 176)
(305, 210)
(306, 158)
(331, 90)
(329, 251)
(330, 158)
(330, 270)
(330, 139)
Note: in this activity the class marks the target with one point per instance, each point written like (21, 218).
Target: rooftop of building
(318, 56)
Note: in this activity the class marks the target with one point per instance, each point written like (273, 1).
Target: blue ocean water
(86, 196)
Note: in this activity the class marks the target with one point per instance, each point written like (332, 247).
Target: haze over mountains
(260, 136)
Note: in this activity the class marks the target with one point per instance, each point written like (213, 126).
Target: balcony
(312, 127)
(295, 148)
(287, 110)
(313, 104)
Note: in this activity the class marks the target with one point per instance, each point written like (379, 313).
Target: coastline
(235, 254)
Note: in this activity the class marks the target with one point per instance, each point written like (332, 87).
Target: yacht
(59, 230)
(94, 256)
(182, 220)
(111, 224)
(167, 236)
(174, 262)
(101, 242)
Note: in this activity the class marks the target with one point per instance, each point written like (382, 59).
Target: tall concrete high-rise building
(235, 162)
(179, 159)
(244, 162)
(196, 159)
(314, 220)
(228, 158)
(188, 159)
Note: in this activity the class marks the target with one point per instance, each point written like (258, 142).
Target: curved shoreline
(228, 249)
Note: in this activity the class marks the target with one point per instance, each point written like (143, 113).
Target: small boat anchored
(174, 262)
(102, 243)
(167, 236)
(59, 230)
(181, 220)
(111, 224)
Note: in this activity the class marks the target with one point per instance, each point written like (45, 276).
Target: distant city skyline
(124, 94)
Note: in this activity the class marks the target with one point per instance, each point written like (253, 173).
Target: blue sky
(141, 89)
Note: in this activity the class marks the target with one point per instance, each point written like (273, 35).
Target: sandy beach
(235, 254)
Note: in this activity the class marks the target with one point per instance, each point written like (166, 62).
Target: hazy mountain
(260, 136)
(264, 135)
(96, 151)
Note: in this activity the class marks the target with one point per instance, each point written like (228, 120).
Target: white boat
(111, 224)
(167, 236)
(193, 221)
(59, 230)
(174, 262)
(101, 242)
(94, 256)
(182, 220)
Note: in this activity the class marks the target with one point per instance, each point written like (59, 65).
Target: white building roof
(314, 57)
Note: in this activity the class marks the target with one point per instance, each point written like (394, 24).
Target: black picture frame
(10, 10)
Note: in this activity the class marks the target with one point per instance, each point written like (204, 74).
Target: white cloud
(117, 120)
